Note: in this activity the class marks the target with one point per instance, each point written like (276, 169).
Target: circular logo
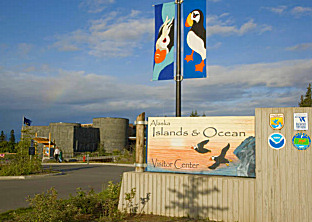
(276, 141)
(301, 141)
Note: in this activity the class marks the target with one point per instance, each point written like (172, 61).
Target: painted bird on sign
(220, 159)
(200, 147)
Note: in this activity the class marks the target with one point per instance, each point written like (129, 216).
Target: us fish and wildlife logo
(276, 121)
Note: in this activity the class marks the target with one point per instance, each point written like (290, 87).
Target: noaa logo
(276, 121)
(301, 141)
(276, 141)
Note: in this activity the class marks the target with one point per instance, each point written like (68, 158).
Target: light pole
(178, 77)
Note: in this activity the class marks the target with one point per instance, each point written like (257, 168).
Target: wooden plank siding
(283, 177)
(182, 195)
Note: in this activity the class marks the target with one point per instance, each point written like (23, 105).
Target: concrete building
(107, 133)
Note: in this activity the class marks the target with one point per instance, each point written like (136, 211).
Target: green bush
(84, 206)
(126, 157)
(46, 207)
(110, 197)
(21, 165)
(7, 147)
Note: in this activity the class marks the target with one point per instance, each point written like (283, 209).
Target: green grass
(10, 215)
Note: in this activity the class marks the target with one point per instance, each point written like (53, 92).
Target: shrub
(21, 164)
(7, 147)
(110, 197)
(126, 157)
(46, 207)
(84, 206)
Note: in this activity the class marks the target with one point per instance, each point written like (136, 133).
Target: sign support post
(139, 146)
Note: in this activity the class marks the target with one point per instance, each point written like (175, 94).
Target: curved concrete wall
(113, 132)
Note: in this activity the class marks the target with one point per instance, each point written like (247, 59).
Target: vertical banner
(194, 18)
(164, 42)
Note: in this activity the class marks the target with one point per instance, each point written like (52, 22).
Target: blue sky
(71, 61)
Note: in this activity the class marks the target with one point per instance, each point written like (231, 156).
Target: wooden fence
(183, 195)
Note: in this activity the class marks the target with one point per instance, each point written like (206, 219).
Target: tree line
(7, 146)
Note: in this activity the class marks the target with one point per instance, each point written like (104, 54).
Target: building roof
(43, 140)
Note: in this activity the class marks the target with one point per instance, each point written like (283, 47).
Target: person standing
(56, 154)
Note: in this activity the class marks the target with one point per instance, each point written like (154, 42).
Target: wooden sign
(202, 145)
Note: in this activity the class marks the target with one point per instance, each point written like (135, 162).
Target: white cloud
(278, 10)
(126, 31)
(237, 90)
(233, 90)
(225, 25)
(221, 30)
(24, 48)
(113, 36)
(66, 47)
(300, 47)
(265, 28)
(216, 27)
(95, 6)
(297, 11)
(224, 14)
(279, 74)
(248, 26)
(215, 46)
(301, 11)
(222, 20)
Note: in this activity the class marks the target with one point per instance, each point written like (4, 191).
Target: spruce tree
(12, 136)
(306, 101)
(301, 101)
(2, 137)
(194, 114)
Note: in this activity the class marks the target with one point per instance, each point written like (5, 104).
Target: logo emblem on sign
(301, 141)
(301, 121)
(276, 121)
(276, 141)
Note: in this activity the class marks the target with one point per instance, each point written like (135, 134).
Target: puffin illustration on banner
(164, 42)
(195, 39)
